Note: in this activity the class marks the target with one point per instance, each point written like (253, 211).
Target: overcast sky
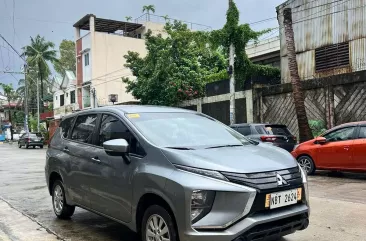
(54, 19)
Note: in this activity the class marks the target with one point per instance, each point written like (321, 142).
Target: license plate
(281, 199)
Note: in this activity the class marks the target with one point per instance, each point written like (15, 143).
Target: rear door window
(261, 130)
(362, 134)
(83, 128)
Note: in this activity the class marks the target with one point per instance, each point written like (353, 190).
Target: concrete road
(338, 206)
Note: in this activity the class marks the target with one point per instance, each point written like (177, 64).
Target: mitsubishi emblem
(280, 180)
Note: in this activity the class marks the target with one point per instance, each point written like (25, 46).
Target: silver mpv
(172, 174)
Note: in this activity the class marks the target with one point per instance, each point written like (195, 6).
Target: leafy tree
(175, 67)
(239, 36)
(10, 95)
(128, 18)
(148, 9)
(39, 54)
(67, 59)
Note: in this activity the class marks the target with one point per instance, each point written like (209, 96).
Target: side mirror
(117, 146)
(320, 140)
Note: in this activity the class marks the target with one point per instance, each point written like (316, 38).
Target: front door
(359, 150)
(112, 188)
(336, 153)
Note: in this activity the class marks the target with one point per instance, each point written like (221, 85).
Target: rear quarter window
(65, 127)
(278, 130)
(244, 130)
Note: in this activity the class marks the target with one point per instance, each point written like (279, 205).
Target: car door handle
(96, 159)
(346, 148)
(66, 149)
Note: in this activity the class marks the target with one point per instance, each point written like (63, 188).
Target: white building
(65, 98)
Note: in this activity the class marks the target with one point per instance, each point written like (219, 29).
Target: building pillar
(77, 33)
(249, 105)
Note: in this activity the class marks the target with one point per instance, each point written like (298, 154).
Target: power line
(334, 1)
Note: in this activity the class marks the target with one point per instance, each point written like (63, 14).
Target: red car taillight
(268, 138)
(27, 139)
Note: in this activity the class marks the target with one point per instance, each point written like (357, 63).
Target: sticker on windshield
(133, 116)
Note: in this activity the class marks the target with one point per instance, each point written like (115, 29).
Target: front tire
(41, 147)
(20, 146)
(158, 224)
(61, 209)
(307, 163)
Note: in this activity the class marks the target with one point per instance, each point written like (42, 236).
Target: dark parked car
(278, 135)
(31, 139)
(172, 174)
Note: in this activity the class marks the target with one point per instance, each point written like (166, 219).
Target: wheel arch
(147, 200)
(54, 176)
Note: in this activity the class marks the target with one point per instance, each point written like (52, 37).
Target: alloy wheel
(305, 163)
(157, 229)
(58, 199)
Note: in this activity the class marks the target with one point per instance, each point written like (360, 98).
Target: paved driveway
(338, 206)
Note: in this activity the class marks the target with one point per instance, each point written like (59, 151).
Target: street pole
(37, 106)
(26, 129)
(232, 82)
(232, 86)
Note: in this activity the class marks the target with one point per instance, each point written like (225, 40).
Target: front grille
(275, 229)
(265, 181)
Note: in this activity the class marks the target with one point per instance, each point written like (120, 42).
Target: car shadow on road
(343, 175)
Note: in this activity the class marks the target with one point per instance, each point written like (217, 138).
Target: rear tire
(20, 146)
(26, 146)
(307, 163)
(158, 221)
(60, 207)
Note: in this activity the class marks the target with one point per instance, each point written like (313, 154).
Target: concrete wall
(108, 65)
(86, 46)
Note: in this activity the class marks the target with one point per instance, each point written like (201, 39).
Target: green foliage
(317, 127)
(222, 75)
(239, 36)
(67, 59)
(174, 68)
(32, 123)
(19, 117)
(128, 18)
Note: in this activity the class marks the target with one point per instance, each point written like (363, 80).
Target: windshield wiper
(211, 147)
(179, 148)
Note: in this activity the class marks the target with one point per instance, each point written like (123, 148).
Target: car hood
(241, 159)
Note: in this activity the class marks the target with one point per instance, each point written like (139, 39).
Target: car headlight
(203, 172)
(305, 182)
(201, 204)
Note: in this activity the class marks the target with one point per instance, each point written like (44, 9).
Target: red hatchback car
(342, 148)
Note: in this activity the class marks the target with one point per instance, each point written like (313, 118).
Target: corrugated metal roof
(323, 22)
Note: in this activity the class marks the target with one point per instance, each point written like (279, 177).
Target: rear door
(359, 150)
(80, 148)
(337, 152)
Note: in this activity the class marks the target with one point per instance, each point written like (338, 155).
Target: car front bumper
(259, 227)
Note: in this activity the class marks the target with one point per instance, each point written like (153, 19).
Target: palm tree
(10, 96)
(297, 92)
(128, 18)
(40, 53)
(166, 17)
(148, 9)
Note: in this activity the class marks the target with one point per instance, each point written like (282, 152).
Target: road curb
(34, 220)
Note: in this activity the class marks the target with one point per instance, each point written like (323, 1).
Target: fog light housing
(201, 204)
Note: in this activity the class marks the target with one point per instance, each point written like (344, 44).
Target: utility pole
(232, 82)
(25, 83)
(37, 106)
(305, 133)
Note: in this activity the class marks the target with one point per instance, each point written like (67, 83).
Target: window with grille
(332, 57)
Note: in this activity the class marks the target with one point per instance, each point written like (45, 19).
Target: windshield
(185, 130)
(35, 135)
